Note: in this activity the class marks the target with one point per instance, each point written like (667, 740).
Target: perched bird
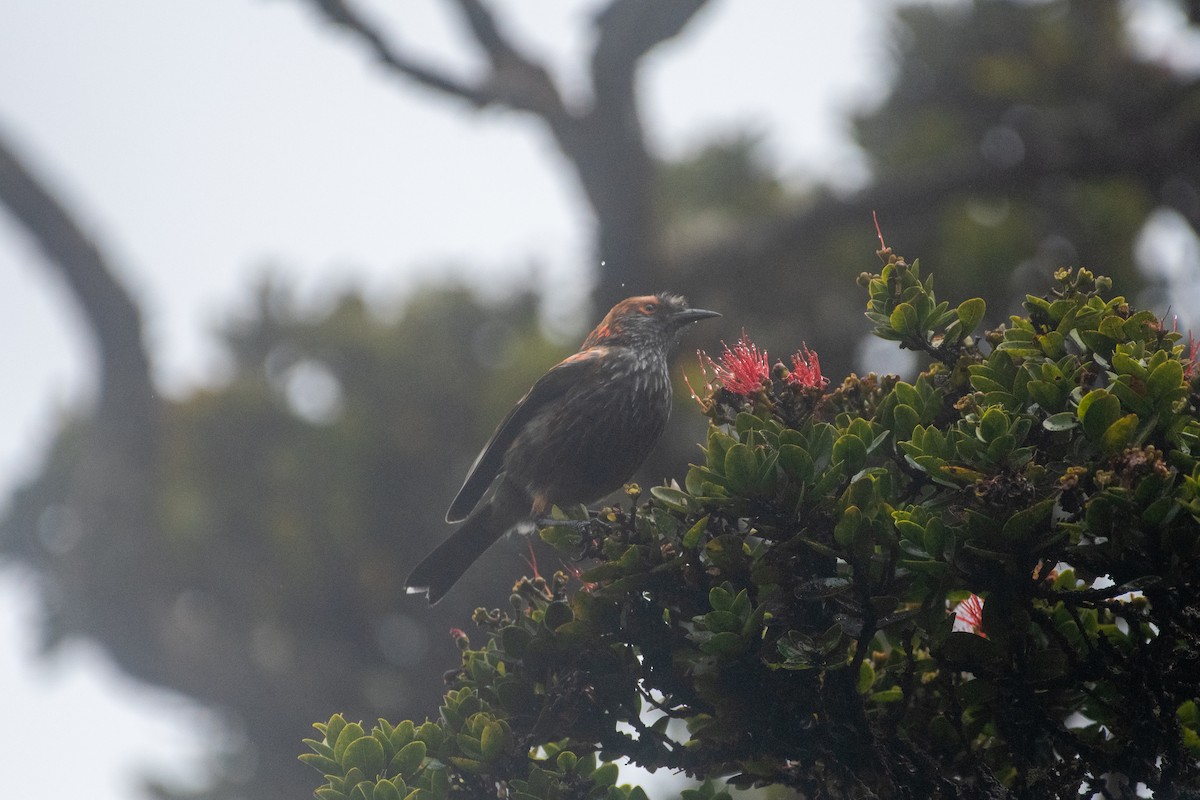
(579, 433)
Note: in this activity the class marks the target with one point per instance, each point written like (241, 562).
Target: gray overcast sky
(203, 139)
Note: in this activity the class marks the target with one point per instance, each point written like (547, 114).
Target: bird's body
(578, 434)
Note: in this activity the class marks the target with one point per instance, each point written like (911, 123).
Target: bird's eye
(649, 308)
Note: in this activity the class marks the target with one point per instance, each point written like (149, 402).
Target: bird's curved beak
(692, 315)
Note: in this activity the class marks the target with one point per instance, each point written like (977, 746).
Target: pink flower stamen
(743, 369)
(806, 370)
(968, 616)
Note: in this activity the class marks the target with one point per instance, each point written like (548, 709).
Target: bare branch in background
(114, 478)
(114, 319)
(338, 13)
(603, 140)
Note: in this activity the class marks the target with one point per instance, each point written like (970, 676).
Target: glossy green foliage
(461, 754)
(793, 614)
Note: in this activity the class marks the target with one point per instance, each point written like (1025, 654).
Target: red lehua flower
(743, 369)
(968, 615)
(806, 370)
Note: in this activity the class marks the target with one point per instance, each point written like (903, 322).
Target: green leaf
(905, 419)
(402, 734)
(492, 741)
(904, 319)
(720, 598)
(1044, 393)
(910, 530)
(350, 732)
(694, 481)
(721, 621)
(1123, 364)
(851, 452)
(866, 676)
(1097, 411)
(696, 532)
(993, 424)
(1113, 326)
(1131, 398)
(408, 759)
(985, 383)
(1097, 342)
(566, 762)
(1165, 377)
(365, 754)
(893, 695)
(322, 764)
(934, 537)
(333, 729)
(1120, 432)
(1060, 422)
(672, 498)
(847, 527)
(386, 790)
(741, 467)
(1021, 523)
(606, 775)
(740, 604)
(970, 313)
(352, 778)
(466, 764)
(796, 462)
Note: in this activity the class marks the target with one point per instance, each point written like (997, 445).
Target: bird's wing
(548, 388)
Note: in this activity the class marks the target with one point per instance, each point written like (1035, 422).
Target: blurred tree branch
(114, 477)
(603, 140)
(338, 13)
(111, 313)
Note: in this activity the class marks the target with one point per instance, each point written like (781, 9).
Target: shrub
(982, 583)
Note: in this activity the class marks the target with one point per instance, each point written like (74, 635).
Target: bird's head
(652, 320)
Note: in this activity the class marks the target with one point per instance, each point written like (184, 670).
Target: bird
(578, 434)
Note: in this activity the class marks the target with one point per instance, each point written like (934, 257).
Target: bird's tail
(442, 568)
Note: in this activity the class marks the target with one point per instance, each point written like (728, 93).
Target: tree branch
(516, 80)
(338, 13)
(110, 312)
(605, 144)
(483, 27)
(627, 30)
(114, 476)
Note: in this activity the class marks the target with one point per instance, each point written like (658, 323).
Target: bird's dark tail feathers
(442, 568)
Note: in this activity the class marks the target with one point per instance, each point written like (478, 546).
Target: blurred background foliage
(288, 502)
